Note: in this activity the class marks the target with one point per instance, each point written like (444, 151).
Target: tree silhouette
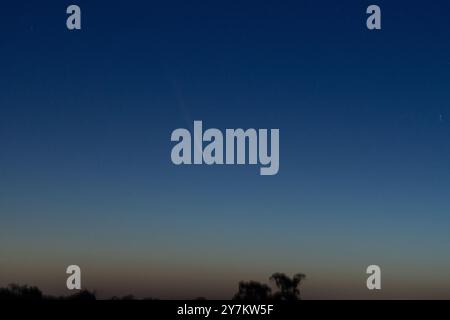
(289, 288)
(252, 290)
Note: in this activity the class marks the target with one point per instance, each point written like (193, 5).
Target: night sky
(364, 116)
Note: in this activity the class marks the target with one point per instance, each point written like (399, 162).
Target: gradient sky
(364, 118)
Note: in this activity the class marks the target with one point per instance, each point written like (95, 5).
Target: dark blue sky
(364, 119)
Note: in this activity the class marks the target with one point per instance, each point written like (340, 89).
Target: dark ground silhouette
(287, 289)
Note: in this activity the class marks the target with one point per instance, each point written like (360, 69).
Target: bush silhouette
(17, 292)
(83, 295)
(127, 297)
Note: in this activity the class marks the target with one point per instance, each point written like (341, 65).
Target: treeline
(287, 288)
